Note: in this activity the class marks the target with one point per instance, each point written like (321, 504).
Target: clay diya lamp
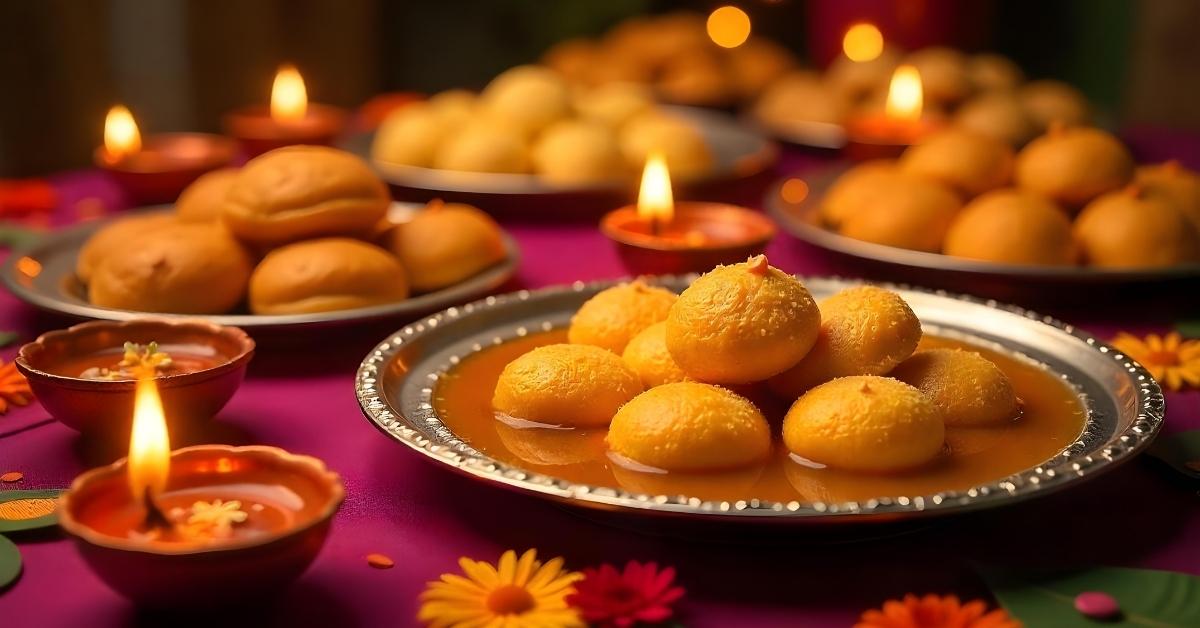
(660, 236)
(156, 169)
(290, 119)
(202, 526)
(67, 371)
(886, 135)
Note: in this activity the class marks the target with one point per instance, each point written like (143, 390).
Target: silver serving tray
(55, 287)
(1013, 282)
(1124, 404)
(738, 152)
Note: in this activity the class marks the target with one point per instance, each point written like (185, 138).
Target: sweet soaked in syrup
(1052, 419)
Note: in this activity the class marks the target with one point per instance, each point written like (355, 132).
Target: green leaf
(1189, 329)
(7, 338)
(10, 563)
(1147, 597)
(14, 506)
(1181, 451)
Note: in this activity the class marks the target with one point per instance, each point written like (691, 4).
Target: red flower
(642, 594)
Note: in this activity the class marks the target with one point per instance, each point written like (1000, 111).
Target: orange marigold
(14, 388)
(1173, 361)
(934, 611)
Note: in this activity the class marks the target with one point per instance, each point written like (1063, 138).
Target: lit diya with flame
(201, 525)
(157, 168)
(660, 236)
(290, 119)
(875, 136)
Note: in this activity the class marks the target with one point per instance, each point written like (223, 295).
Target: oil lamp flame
(655, 201)
(905, 98)
(289, 98)
(149, 445)
(862, 42)
(121, 136)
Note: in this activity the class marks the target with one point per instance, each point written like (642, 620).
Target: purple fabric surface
(302, 399)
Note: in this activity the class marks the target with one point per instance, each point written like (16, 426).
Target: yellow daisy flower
(1173, 361)
(517, 593)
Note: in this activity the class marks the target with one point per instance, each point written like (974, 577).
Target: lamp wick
(155, 519)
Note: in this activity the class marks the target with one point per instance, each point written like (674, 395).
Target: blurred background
(179, 64)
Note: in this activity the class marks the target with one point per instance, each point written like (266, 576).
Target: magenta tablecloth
(425, 518)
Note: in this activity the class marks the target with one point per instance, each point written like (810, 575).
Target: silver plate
(56, 288)
(806, 133)
(1125, 406)
(1014, 282)
(738, 152)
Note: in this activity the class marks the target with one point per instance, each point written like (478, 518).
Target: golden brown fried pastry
(484, 146)
(944, 74)
(967, 387)
(1049, 101)
(203, 199)
(326, 275)
(856, 188)
(997, 114)
(613, 104)
(410, 135)
(612, 317)
(1012, 226)
(993, 72)
(573, 58)
(565, 384)
(907, 212)
(801, 96)
(445, 244)
(116, 236)
(1174, 182)
(193, 268)
(964, 160)
(695, 79)
(1131, 229)
(688, 155)
(1072, 166)
(301, 192)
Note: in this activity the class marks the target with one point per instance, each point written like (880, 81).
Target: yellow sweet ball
(203, 200)
(904, 211)
(855, 189)
(967, 387)
(615, 315)
(865, 423)
(114, 238)
(578, 152)
(1050, 102)
(999, 115)
(613, 104)
(484, 146)
(801, 97)
(993, 72)
(1072, 166)
(551, 446)
(567, 385)
(528, 98)
(1175, 183)
(453, 107)
(1012, 226)
(969, 162)
(742, 323)
(1132, 229)
(681, 144)
(855, 80)
(689, 426)
(945, 77)
(865, 330)
(409, 136)
(647, 355)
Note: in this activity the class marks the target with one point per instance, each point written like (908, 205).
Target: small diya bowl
(213, 360)
(698, 238)
(879, 138)
(166, 164)
(257, 132)
(296, 496)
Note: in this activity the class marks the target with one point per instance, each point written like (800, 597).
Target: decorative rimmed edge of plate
(1051, 475)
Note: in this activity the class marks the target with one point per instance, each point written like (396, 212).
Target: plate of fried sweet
(964, 211)
(750, 393)
(530, 133)
(983, 92)
(298, 236)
